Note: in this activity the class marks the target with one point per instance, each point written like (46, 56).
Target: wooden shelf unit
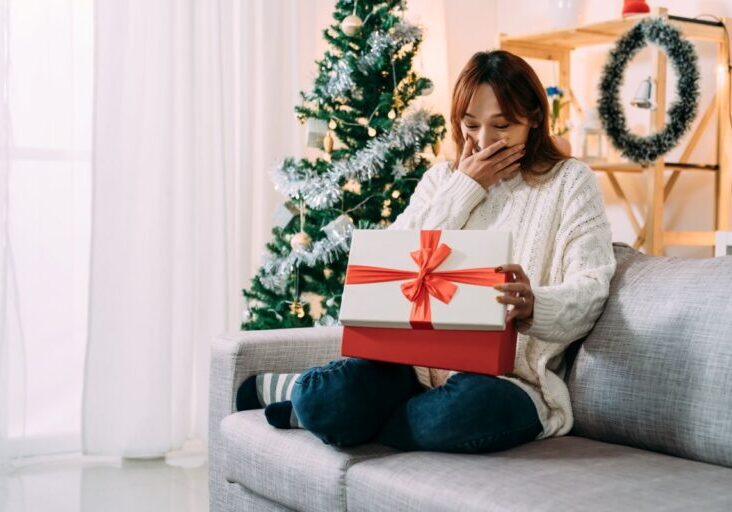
(650, 234)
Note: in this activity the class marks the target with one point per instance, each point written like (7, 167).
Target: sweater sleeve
(567, 311)
(441, 200)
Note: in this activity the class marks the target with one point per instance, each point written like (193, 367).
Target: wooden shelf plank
(605, 32)
(633, 167)
(701, 238)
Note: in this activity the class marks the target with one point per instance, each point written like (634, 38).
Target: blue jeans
(352, 401)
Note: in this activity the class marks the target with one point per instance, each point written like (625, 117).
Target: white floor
(72, 483)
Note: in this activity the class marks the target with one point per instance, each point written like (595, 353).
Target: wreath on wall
(681, 112)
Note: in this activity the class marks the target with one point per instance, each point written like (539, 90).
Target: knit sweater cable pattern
(563, 241)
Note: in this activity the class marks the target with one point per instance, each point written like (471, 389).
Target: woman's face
(485, 123)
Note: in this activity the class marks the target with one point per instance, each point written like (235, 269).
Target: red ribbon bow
(426, 281)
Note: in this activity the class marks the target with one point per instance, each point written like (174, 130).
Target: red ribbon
(426, 281)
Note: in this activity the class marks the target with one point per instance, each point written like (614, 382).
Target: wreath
(681, 112)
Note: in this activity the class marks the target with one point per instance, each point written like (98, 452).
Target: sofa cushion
(288, 466)
(656, 370)
(561, 473)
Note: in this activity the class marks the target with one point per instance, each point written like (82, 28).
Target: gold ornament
(395, 194)
(332, 124)
(297, 309)
(372, 132)
(436, 147)
(362, 121)
(327, 272)
(328, 142)
(300, 240)
(353, 186)
(385, 211)
(387, 202)
(391, 114)
(398, 103)
(351, 25)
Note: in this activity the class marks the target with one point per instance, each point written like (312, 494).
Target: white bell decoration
(351, 25)
(339, 229)
(645, 95)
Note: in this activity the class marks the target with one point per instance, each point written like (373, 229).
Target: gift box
(426, 298)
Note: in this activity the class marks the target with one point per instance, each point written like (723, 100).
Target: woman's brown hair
(519, 93)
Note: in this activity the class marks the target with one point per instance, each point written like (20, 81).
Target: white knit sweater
(562, 240)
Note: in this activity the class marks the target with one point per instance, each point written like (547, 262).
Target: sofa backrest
(656, 370)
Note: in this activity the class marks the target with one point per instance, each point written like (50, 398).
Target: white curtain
(45, 128)
(163, 261)
(136, 140)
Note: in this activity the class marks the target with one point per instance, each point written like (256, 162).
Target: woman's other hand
(491, 164)
(518, 293)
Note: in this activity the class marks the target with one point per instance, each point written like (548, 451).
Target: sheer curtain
(163, 262)
(136, 140)
(45, 173)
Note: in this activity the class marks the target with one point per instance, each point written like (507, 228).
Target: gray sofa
(651, 388)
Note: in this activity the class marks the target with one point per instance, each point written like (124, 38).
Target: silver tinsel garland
(321, 191)
(380, 44)
(276, 270)
(340, 81)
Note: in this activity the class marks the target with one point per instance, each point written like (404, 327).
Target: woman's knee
(346, 400)
(470, 413)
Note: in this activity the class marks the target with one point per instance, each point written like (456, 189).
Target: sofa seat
(289, 466)
(563, 473)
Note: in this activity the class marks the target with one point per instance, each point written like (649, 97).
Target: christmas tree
(371, 148)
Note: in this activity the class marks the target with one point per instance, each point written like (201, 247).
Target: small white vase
(566, 13)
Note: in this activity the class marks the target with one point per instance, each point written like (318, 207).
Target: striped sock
(282, 415)
(275, 387)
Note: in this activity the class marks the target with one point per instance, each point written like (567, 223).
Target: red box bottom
(487, 352)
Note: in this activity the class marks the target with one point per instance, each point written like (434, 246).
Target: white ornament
(351, 25)
(339, 229)
(316, 130)
(282, 215)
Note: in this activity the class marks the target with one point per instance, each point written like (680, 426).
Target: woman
(509, 176)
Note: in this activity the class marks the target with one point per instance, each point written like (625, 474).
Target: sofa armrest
(237, 355)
